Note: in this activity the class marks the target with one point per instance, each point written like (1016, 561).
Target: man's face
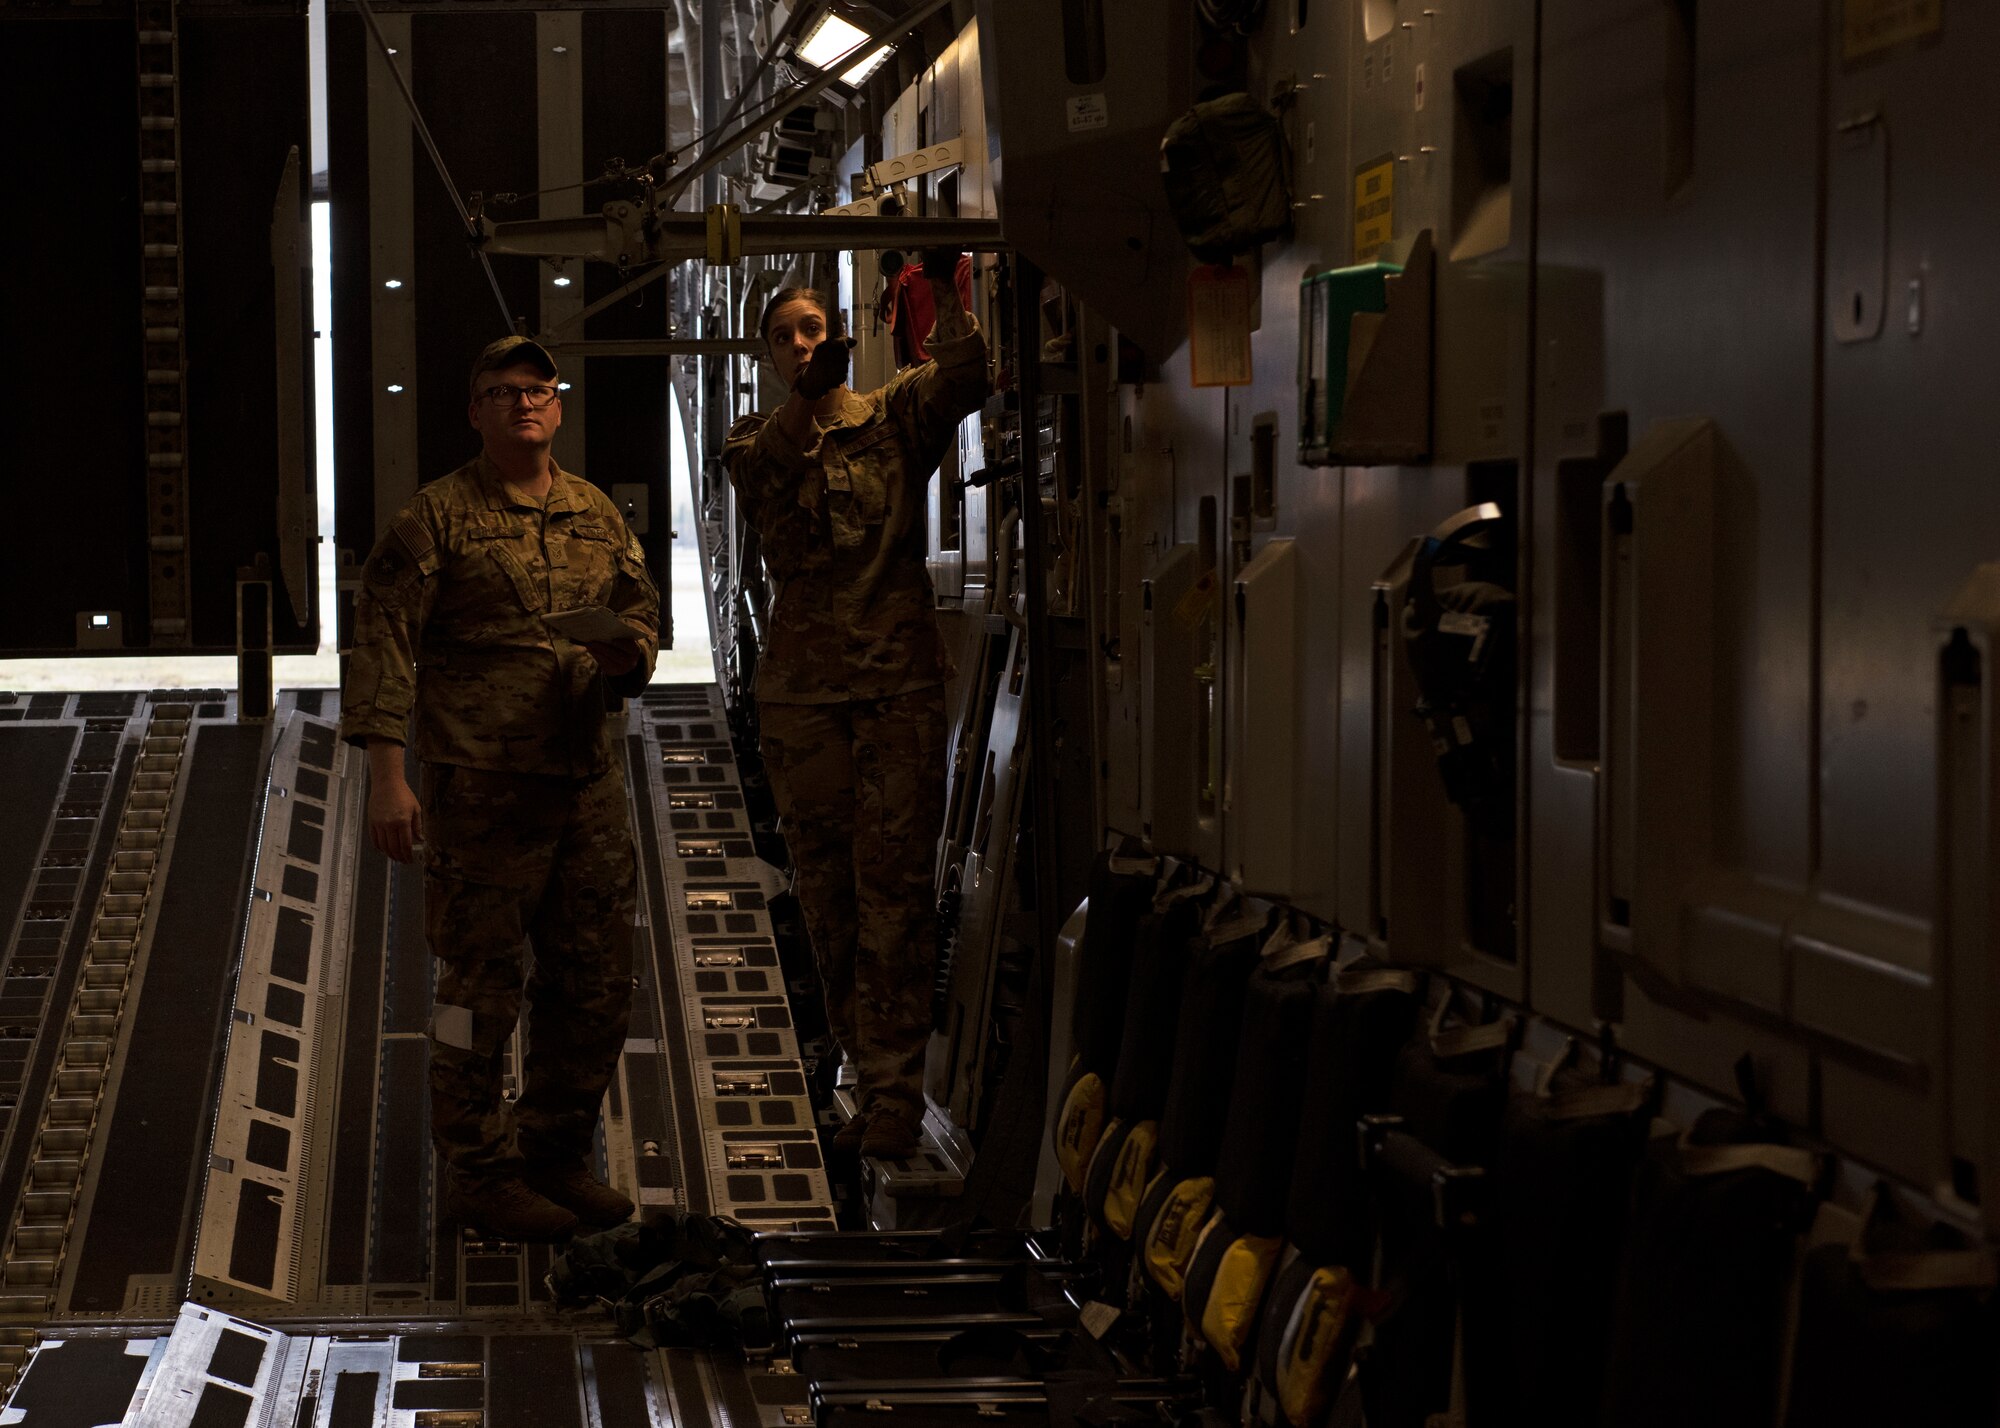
(506, 422)
(796, 328)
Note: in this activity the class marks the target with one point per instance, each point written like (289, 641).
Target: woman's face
(795, 329)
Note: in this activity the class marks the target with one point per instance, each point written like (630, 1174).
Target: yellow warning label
(1198, 602)
(1374, 207)
(1871, 25)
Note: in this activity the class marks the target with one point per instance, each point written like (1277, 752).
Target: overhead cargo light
(829, 38)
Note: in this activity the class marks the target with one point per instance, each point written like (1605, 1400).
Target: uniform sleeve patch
(401, 559)
(415, 539)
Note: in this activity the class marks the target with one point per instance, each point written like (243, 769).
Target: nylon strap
(1352, 983)
(1786, 1160)
(1620, 1099)
(1933, 1269)
(1465, 1040)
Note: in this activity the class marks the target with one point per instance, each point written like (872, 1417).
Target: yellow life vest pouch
(1131, 1176)
(1079, 1126)
(1317, 1343)
(1103, 1160)
(1236, 1292)
(1170, 1231)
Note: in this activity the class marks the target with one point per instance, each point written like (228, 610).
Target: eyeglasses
(506, 396)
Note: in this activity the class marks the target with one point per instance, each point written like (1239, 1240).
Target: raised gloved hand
(825, 369)
(941, 264)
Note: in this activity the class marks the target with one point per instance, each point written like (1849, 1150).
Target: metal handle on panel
(1657, 675)
(1263, 767)
(1968, 803)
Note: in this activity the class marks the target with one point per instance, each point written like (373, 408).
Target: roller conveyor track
(725, 1021)
(219, 1096)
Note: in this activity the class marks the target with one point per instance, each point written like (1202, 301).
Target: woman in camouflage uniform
(850, 684)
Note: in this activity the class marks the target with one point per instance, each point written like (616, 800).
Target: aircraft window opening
(1083, 41)
(1264, 466)
(1482, 180)
(1677, 108)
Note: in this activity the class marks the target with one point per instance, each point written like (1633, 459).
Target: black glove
(941, 264)
(825, 369)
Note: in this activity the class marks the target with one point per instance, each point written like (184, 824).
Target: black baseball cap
(512, 351)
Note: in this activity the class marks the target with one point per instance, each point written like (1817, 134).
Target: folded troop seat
(1240, 1237)
(1119, 1167)
(1361, 1019)
(1705, 1273)
(1896, 1324)
(1180, 1188)
(1557, 1207)
(1427, 1158)
(1122, 894)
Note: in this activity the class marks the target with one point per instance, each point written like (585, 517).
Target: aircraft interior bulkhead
(1363, 622)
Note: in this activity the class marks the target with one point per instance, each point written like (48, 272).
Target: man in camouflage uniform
(523, 818)
(850, 684)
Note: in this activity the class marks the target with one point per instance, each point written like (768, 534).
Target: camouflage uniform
(850, 694)
(524, 816)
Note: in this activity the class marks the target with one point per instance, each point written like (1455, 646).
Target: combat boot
(569, 1184)
(505, 1208)
(847, 1140)
(891, 1135)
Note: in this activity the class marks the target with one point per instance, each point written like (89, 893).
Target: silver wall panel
(1966, 920)
(1904, 524)
(1263, 847)
(1139, 499)
(1562, 657)
(1303, 72)
(1706, 242)
(1199, 477)
(1309, 513)
(1445, 94)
